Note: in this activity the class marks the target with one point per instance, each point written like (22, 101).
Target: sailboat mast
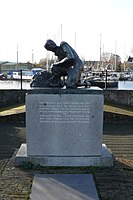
(75, 40)
(32, 56)
(17, 54)
(61, 32)
(100, 51)
(115, 54)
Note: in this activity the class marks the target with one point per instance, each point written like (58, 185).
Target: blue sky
(29, 23)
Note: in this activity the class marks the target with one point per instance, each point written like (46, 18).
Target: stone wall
(124, 97)
(110, 117)
(12, 97)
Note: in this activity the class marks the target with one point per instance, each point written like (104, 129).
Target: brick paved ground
(117, 182)
(112, 182)
(14, 182)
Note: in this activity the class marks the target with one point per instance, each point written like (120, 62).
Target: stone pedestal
(64, 127)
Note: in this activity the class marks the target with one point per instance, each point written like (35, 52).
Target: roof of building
(9, 63)
(3, 62)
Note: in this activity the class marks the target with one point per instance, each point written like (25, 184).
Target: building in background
(8, 67)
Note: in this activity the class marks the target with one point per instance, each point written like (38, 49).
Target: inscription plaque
(64, 112)
(64, 124)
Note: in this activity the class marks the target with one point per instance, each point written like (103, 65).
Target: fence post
(106, 80)
(21, 78)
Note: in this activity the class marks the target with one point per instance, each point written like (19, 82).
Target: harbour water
(125, 85)
(9, 84)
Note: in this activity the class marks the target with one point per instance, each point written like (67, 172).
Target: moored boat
(17, 75)
(103, 84)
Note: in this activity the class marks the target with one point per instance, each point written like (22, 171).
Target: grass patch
(12, 109)
(28, 195)
(117, 108)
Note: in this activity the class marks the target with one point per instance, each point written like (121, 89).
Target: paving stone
(64, 186)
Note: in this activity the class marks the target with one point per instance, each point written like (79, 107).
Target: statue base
(105, 159)
(64, 127)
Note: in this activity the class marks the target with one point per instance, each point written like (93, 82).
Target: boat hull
(103, 84)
